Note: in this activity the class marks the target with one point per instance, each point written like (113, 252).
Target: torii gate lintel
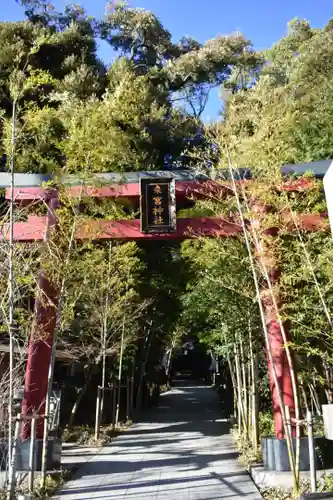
(35, 228)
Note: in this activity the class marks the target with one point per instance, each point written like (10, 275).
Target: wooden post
(312, 458)
(98, 413)
(32, 455)
(12, 465)
(114, 402)
(128, 395)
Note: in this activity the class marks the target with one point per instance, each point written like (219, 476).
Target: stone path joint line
(181, 450)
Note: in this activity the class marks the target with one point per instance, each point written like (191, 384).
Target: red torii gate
(36, 228)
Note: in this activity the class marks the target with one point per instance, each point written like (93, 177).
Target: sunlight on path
(182, 450)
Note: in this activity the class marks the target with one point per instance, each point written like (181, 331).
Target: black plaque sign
(158, 208)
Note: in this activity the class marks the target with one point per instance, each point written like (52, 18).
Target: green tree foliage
(286, 116)
(127, 109)
(101, 291)
(163, 284)
(75, 115)
(220, 295)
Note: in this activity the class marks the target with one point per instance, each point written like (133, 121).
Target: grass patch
(248, 455)
(85, 434)
(53, 483)
(281, 494)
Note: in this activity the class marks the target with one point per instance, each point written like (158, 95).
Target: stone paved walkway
(181, 450)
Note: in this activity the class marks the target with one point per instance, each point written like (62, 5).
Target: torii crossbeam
(29, 188)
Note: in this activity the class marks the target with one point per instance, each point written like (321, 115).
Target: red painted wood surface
(132, 190)
(34, 228)
(41, 340)
(265, 241)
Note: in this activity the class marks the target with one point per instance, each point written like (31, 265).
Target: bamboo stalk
(264, 326)
(256, 397)
(288, 421)
(32, 454)
(287, 350)
(149, 338)
(11, 285)
(328, 391)
(310, 266)
(249, 397)
(254, 392)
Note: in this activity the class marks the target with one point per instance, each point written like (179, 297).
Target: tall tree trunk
(80, 397)
(120, 372)
(241, 416)
(254, 392)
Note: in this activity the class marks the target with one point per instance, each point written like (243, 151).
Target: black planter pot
(275, 454)
(53, 454)
(23, 450)
(317, 496)
(3, 454)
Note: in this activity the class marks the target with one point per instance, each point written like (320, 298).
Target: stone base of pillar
(275, 454)
(53, 455)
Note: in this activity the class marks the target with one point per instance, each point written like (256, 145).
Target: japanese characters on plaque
(158, 208)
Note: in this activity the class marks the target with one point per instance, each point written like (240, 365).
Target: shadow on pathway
(181, 450)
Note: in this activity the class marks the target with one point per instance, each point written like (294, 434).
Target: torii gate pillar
(328, 187)
(41, 341)
(46, 305)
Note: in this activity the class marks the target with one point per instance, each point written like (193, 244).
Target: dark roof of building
(318, 168)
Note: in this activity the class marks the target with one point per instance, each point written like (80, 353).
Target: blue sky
(262, 21)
